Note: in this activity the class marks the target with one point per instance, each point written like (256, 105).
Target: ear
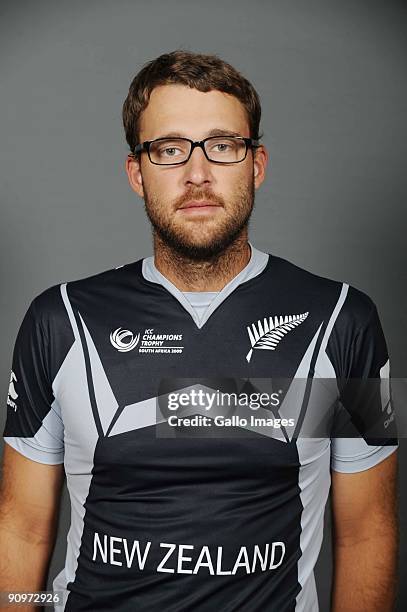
(133, 171)
(260, 160)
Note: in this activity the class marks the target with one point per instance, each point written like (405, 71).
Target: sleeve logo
(12, 394)
(267, 334)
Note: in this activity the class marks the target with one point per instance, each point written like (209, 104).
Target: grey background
(331, 76)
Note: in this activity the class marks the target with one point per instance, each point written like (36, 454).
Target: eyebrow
(213, 132)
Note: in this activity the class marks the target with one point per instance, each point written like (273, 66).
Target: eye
(222, 147)
(169, 151)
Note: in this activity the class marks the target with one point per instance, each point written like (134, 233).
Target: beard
(209, 238)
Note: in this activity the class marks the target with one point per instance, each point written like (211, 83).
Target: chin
(201, 249)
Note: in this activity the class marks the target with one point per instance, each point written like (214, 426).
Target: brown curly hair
(196, 70)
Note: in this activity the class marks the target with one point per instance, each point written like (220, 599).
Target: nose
(197, 170)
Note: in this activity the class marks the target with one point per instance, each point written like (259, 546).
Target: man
(224, 518)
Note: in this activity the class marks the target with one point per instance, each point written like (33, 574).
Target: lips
(198, 204)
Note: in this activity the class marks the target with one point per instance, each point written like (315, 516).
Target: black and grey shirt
(161, 521)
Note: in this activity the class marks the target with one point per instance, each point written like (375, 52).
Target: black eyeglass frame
(145, 146)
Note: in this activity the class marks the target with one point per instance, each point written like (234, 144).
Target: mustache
(199, 195)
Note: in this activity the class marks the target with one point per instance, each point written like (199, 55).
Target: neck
(209, 275)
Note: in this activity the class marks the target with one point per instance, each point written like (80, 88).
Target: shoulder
(325, 293)
(289, 274)
(50, 303)
(350, 300)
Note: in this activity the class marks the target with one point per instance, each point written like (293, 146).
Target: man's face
(196, 232)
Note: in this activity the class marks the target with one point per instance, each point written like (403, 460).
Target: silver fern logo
(124, 340)
(267, 334)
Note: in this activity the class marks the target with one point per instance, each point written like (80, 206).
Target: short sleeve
(33, 425)
(365, 399)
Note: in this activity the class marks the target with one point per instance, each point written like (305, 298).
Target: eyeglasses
(218, 149)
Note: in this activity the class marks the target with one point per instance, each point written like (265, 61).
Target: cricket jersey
(225, 515)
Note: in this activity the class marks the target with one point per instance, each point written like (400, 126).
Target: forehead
(191, 113)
